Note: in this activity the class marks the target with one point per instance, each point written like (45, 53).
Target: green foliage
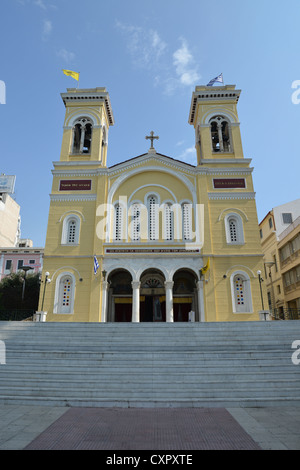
(11, 288)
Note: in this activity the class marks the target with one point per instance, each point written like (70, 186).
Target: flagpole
(78, 80)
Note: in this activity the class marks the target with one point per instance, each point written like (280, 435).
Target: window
(71, 230)
(260, 233)
(220, 134)
(270, 222)
(118, 222)
(8, 266)
(82, 136)
(64, 293)
(32, 261)
(241, 292)
(169, 222)
(287, 218)
(296, 244)
(275, 263)
(186, 221)
(285, 252)
(234, 229)
(20, 263)
(289, 278)
(136, 222)
(278, 289)
(152, 217)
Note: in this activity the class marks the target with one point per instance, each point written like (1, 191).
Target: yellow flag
(205, 268)
(72, 74)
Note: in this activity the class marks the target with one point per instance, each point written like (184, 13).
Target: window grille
(186, 221)
(152, 207)
(118, 222)
(72, 231)
(169, 217)
(233, 230)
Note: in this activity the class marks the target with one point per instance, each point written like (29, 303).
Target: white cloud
(189, 156)
(144, 46)
(67, 56)
(148, 50)
(47, 28)
(40, 4)
(184, 63)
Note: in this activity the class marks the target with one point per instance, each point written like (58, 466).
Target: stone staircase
(150, 364)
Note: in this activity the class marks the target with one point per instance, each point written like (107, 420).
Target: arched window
(241, 292)
(64, 294)
(234, 229)
(71, 237)
(220, 134)
(103, 143)
(118, 222)
(152, 217)
(168, 222)
(82, 136)
(186, 221)
(71, 230)
(136, 222)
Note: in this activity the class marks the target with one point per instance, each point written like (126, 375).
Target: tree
(11, 288)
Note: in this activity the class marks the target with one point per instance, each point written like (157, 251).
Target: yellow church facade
(152, 238)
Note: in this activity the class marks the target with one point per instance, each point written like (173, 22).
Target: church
(152, 239)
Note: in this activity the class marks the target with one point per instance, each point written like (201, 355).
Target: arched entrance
(120, 296)
(184, 295)
(152, 300)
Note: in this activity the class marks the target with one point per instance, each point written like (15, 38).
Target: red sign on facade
(75, 185)
(229, 183)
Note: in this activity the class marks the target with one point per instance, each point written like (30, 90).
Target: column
(200, 301)
(105, 286)
(220, 137)
(169, 301)
(135, 301)
(82, 138)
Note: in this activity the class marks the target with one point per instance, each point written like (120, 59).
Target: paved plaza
(53, 428)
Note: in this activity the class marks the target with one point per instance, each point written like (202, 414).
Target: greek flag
(218, 79)
(96, 265)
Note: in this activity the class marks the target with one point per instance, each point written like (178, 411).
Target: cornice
(231, 195)
(72, 197)
(74, 94)
(90, 173)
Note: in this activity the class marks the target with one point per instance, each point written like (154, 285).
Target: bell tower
(87, 121)
(213, 114)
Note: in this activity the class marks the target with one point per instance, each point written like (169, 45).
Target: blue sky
(149, 56)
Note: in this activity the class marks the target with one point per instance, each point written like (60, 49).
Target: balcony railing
(285, 314)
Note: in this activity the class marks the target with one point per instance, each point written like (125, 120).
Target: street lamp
(45, 283)
(25, 269)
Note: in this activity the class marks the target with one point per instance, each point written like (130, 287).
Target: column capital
(169, 284)
(105, 285)
(135, 284)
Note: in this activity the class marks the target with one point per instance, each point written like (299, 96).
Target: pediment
(152, 159)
